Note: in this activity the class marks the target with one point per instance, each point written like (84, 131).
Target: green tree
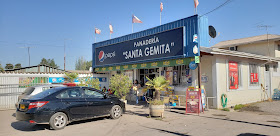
(88, 64)
(159, 84)
(52, 63)
(9, 66)
(44, 61)
(70, 77)
(1, 68)
(49, 62)
(81, 64)
(90, 82)
(18, 65)
(120, 84)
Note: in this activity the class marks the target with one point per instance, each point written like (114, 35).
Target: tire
(116, 112)
(58, 121)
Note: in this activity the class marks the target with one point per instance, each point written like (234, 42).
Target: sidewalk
(135, 122)
(213, 122)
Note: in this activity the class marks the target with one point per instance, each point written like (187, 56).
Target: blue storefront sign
(192, 65)
(56, 79)
(175, 40)
(61, 79)
(160, 45)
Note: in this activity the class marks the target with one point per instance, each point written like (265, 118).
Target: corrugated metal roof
(41, 68)
(248, 40)
(218, 51)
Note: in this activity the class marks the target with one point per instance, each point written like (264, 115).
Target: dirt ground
(137, 123)
(272, 108)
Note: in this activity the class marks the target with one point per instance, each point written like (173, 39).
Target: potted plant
(120, 85)
(156, 105)
(70, 77)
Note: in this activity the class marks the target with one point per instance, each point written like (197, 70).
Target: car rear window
(28, 90)
(45, 93)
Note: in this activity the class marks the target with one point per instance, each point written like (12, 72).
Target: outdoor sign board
(61, 79)
(179, 39)
(192, 101)
(161, 45)
(233, 74)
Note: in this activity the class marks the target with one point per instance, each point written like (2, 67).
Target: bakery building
(170, 50)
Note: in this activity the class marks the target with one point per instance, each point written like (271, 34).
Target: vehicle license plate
(22, 106)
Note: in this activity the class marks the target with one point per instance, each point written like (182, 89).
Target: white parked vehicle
(30, 91)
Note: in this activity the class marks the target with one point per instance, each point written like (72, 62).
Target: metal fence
(9, 94)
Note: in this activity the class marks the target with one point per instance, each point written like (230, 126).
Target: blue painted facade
(193, 25)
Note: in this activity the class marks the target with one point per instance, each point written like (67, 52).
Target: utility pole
(65, 52)
(64, 55)
(266, 28)
(28, 50)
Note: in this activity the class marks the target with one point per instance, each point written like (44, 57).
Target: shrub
(225, 109)
(239, 106)
(156, 102)
(120, 85)
(90, 82)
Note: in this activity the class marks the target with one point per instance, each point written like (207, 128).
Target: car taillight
(37, 104)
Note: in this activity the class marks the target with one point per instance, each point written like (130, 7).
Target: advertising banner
(161, 45)
(233, 74)
(61, 79)
(192, 101)
(56, 80)
(254, 78)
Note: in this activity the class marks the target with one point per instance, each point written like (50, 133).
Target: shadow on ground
(139, 113)
(250, 134)
(26, 126)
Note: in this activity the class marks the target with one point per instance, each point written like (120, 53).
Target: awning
(165, 63)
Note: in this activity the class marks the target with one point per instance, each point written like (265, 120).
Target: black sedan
(60, 106)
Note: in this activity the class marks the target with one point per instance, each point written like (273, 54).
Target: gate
(12, 86)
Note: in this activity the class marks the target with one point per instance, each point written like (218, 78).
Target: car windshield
(28, 90)
(46, 93)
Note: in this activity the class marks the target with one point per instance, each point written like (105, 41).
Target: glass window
(254, 74)
(71, 93)
(45, 93)
(93, 94)
(28, 90)
(45, 88)
(234, 75)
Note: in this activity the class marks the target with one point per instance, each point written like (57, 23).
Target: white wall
(244, 94)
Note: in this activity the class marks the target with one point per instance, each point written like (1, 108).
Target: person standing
(104, 89)
(136, 87)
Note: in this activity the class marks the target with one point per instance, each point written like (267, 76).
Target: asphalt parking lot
(136, 122)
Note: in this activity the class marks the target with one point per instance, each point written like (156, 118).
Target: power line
(222, 5)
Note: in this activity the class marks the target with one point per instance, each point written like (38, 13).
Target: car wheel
(116, 112)
(58, 121)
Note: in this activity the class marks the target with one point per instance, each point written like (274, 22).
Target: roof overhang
(217, 51)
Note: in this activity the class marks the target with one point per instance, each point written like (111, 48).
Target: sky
(45, 26)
